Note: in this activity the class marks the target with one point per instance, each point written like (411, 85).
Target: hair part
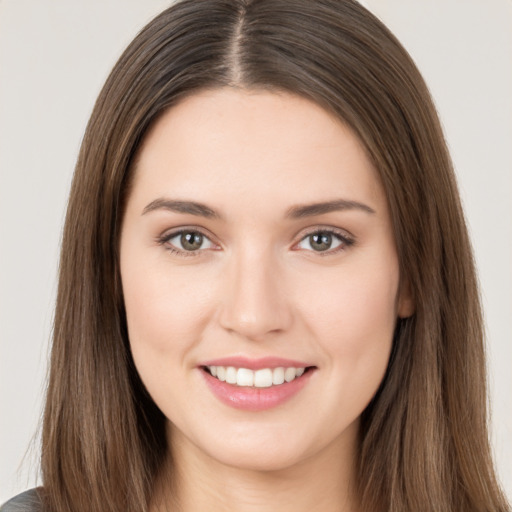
(424, 440)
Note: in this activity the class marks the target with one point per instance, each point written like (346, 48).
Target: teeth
(221, 373)
(231, 375)
(263, 378)
(278, 376)
(244, 377)
(289, 374)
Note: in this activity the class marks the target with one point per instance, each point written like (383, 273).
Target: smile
(262, 378)
(269, 383)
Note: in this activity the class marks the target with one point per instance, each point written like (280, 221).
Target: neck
(325, 481)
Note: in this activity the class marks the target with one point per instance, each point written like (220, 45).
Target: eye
(324, 241)
(187, 241)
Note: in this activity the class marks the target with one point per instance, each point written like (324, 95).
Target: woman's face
(257, 246)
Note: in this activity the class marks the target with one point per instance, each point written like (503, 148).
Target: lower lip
(255, 399)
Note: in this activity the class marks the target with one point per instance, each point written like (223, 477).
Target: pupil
(320, 241)
(191, 241)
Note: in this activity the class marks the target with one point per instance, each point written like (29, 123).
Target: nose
(255, 301)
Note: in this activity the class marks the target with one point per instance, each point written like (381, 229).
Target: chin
(262, 460)
(267, 448)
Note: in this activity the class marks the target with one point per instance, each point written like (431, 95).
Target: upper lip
(256, 364)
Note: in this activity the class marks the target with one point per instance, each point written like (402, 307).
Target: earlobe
(406, 305)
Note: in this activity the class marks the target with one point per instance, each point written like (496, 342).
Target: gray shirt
(28, 501)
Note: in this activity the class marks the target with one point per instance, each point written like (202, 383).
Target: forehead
(231, 144)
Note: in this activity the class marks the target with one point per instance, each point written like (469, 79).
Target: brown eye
(187, 241)
(320, 241)
(191, 241)
(324, 241)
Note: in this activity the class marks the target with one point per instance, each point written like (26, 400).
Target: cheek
(165, 310)
(353, 303)
(364, 313)
(353, 321)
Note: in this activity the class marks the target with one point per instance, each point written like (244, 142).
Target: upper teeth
(263, 378)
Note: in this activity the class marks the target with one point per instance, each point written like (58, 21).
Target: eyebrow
(295, 212)
(310, 210)
(190, 207)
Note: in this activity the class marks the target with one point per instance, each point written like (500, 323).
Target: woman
(267, 298)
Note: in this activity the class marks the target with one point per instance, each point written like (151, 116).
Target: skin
(258, 287)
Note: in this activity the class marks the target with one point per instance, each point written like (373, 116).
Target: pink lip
(255, 399)
(256, 364)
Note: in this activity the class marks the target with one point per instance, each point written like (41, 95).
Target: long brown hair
(424, 440)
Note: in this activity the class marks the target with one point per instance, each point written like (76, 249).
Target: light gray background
(54, 57)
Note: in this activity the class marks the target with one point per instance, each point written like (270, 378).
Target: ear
(405, 305)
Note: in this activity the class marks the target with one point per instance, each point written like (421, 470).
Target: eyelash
(345, 240)
(165, 239)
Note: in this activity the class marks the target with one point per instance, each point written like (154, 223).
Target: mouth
(256, 384)
(261, 378)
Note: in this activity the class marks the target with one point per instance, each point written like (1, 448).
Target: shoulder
(28, 501)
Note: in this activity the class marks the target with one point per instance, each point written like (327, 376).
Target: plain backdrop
(54, 57)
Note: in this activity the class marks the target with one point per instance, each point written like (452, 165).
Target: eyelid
(346, 238)
(169, 234)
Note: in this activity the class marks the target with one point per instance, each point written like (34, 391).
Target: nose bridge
(255, 302)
